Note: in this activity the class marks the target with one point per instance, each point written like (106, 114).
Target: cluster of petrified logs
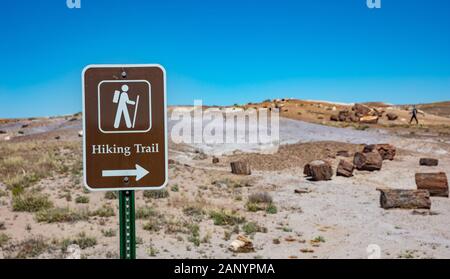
(362, 114)
(371, 159)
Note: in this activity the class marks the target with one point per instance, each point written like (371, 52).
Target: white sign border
(166, 151)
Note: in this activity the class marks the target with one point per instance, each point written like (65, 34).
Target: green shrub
(31, 202)
(253, 207)
(157, 194)
(82, 199)
(152, 225)
(4, 238)
(261, 201)
(318, 239)
(194, 211)
(109, 233)
(56, 215)
(81, 240)
(223, 218)
(195, 234)
(145, 212)
(271, 209)
(3, 193)
(111, 195)
(252, 227)
(104, 211)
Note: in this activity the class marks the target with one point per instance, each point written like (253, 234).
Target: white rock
(241, 245)
(73, 252)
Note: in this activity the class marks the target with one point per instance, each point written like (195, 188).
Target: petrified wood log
(430, 162)
(405, 199)
(345, 169)
(435, 183)
(371, 161)
(240, 167)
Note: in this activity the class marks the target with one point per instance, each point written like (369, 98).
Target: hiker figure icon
(122, 100)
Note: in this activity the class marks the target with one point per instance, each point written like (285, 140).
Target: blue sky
(227, 52)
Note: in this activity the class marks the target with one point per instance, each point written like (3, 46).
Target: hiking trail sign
(124, 127)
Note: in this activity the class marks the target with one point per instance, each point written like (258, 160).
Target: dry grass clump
(82, 240)
(33, 161)
(4, 238)
(260, 197)
(261, 201)
(104, 211)
(27, 249)
(31, 202)
(58, 215)
(145, 213)
(225, 218)
(156, 194)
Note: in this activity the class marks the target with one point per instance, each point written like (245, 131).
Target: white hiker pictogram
(121, 98)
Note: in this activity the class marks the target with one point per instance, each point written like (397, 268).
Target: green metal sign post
(127, 221)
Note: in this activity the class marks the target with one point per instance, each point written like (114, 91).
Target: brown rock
(345, 169)
(387, 151)
(343, 115)
(371, 161)
(435, 183)
(240, 167)
(319, 170)
(430, 162)
(405, 199)
(353, 118)
(215, 160)
(391, 116)
(307, 170)
(334, 118)
(361, 109)
(171, 162)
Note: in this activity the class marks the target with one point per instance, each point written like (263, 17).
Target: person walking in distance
(121, 98)
(414, 113)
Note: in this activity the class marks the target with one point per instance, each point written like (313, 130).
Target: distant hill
(440, 108)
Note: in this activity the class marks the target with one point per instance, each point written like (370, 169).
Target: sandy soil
(334, 219)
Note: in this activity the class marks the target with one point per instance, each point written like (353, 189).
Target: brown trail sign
(125, 136)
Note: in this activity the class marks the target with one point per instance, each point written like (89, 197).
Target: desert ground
(44, 208)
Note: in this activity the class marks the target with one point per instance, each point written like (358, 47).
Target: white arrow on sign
(139, 172)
